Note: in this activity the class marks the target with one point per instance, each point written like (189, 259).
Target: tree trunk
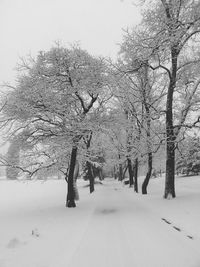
(120, 172)
(170, 150)
(115, 172)
(148, 175)
(90, 176)
(148, 130)
(88, 164)
(120, 169)
(135, 171)
(76, 173)
(101, 176)
(129, 132)
(170, 169)
(130, 171)
(125, 170)
(70, 203)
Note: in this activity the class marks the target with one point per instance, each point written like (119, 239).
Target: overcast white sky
(28, 26)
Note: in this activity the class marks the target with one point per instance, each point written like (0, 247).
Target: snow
(111, 227)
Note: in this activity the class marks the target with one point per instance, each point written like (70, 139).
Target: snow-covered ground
(110, 228)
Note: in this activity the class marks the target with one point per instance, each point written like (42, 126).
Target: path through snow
(123, 232)
(114, 227)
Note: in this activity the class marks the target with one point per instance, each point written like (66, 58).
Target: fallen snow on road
(110, 228)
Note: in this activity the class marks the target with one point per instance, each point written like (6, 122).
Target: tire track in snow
(104, 243)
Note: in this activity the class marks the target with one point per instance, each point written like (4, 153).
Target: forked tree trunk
(71, 193)
(135, 174)
(70, 203)
(130, 171)
(148, 175)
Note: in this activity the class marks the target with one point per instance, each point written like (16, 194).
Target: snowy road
(114, 227)
(123, 232)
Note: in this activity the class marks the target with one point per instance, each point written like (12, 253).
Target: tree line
(69, 107)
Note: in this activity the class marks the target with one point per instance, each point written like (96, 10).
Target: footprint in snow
(35, 232)
(166, 221)
(177, 228)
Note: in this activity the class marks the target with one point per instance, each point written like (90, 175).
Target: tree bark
(88, 164)
(170, 168)
(148, 136)
(170, 172)
(120, 170)
(170, 162)
(90, 176)
(76, 173)
(115, 172)
(124, 172)
(70, 203)
(170, 149)
(71, 193)
(130, 171)
(148, 175)
(135, 171)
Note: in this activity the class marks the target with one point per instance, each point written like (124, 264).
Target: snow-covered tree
(51, 102)
(13, 159)
(141, 97)
(168, 39)
(188, 158)
(94, 158)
